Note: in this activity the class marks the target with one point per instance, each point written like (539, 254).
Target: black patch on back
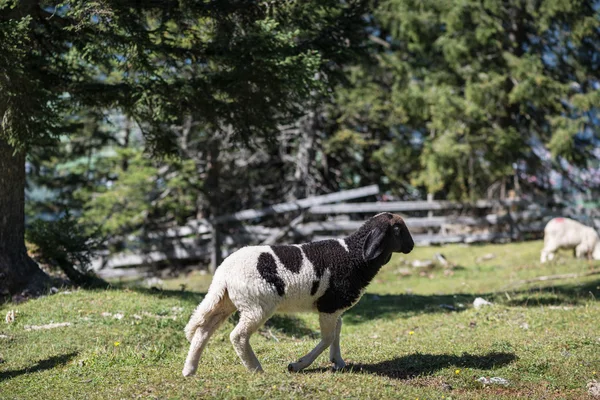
(314, 288)
(267, 268)
(324, 254)
(290, 257)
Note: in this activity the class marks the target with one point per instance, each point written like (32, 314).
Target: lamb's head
(385, 233)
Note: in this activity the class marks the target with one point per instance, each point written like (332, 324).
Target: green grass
(544, 338)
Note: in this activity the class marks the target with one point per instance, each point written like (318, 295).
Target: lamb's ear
(374, 246)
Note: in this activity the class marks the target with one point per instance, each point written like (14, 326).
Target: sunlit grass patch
(410, 336)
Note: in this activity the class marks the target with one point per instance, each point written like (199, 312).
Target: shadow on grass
(290, 326)
(374, 306)
(555, 295)
(413, 365)
(42, 365)
(184, 295)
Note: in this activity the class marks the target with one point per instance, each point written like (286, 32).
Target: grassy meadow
(414, 335)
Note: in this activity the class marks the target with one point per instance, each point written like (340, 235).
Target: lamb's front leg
(335, 353)
(328, 323)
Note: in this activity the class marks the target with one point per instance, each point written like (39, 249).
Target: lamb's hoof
(187, 372)
(294, 367)
(338, 365)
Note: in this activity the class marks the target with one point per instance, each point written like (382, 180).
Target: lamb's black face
(387, 234)
(401, 238)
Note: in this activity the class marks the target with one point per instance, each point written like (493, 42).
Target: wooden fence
(327, 216)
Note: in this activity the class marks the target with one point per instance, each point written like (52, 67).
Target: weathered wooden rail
(201, 240)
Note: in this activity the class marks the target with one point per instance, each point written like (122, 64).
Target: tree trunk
(214, 197)
(17, 270)
(305, 183)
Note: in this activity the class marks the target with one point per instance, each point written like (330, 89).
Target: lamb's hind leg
(203, 334)
(249, 323)
(335, 353)
(328, 323)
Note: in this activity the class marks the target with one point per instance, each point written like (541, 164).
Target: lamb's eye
(396, 230)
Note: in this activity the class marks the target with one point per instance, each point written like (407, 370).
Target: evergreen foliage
(475, 84)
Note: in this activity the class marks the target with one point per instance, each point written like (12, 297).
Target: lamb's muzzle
(327, 276)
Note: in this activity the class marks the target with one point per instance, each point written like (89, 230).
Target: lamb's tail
(216, 294)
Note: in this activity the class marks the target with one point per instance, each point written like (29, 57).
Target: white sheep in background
(565, 233)
(327, 276)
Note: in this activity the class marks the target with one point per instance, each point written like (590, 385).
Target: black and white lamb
(327, 276)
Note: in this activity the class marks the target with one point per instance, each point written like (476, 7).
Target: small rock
(54, 290)
(422, 263)
(446, 386)
(118, 316)
(524, 326)
(480, 302)
(496, 380)
(2, 336)
(593, 388)
(106, 314)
